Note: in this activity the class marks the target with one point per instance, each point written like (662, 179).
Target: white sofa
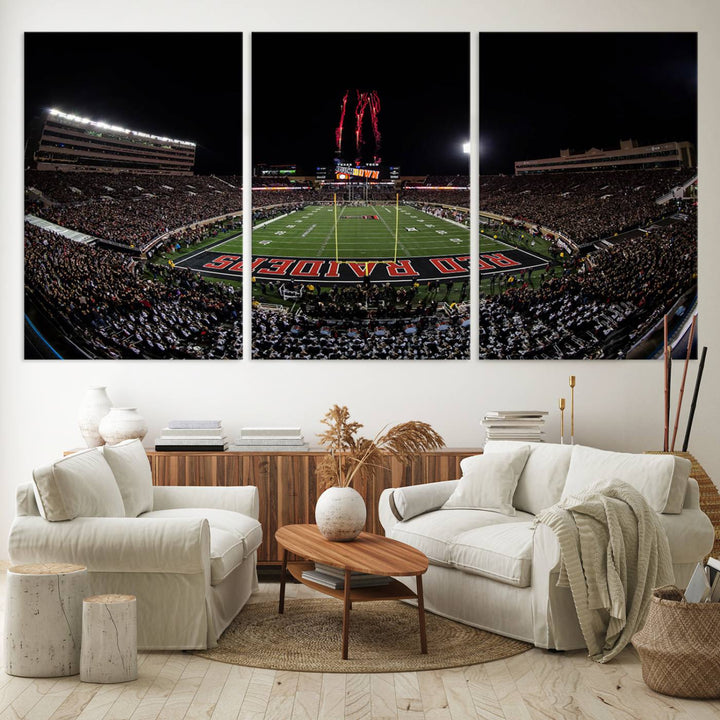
(187, 553)
(492, 569)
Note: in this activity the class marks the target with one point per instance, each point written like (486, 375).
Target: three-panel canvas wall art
(359, 212)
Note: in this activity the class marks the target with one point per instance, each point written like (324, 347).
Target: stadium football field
(363, 233)
(302, 246)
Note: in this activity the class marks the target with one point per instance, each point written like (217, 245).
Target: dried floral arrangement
(352, 457)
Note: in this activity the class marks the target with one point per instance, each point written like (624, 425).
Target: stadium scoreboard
(362, 172)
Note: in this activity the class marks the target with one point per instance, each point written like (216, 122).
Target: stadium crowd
(602, 307)
(582, 206)
(278, 335)
(137, 221)
(111, 306)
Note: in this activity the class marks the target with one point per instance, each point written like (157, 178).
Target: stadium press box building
(629, 156)
(69, 142)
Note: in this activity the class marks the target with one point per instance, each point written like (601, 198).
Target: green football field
(363, 233)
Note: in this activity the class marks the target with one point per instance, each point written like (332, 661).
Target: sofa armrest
(690, 535)
(692, 495)
(403, 503)
(239, 498)
(25, 502)
(177, 545)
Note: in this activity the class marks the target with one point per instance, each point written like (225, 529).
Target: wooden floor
(177, 686)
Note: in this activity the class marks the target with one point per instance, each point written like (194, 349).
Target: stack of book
(332, 577)
(192, 436)
(272, 439)
(521, 425)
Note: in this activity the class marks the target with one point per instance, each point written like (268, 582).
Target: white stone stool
(109, 639)
(43, 619)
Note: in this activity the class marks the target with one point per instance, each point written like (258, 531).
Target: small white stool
(109, 639)
(43, 619)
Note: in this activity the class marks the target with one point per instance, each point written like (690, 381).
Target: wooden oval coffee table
(368, 553)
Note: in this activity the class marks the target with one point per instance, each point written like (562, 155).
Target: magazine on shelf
(338, 583)
(197, 424)
(340, 573)
(515, 413)
(193, 432)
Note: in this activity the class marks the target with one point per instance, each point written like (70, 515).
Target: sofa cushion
(131, 468)
(542, 480)
(233, 536)
(227, 552)
(488, 482)
(501, 552)
(79, 485)
(434, 533)
(660, 479)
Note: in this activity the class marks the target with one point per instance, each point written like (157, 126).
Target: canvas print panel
(360, 196)
(133, 166)
(588, 194)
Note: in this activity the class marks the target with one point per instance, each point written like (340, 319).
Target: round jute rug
(384, 637)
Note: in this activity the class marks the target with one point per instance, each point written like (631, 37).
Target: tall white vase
(96, 404)
(122, 424)
(340, 513)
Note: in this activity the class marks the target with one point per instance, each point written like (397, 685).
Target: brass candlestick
(572, 409)
(561, 405)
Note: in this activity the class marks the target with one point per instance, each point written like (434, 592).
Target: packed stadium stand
(582, 206)
(105, 304)
(633, 259)
(129, 209)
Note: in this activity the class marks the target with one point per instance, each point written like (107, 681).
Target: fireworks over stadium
(360, 195)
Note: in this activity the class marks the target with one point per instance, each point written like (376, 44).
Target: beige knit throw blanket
(614, 551)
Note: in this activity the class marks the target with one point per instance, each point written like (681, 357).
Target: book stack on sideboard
(270, 439)
(192, 436)
(522, 425)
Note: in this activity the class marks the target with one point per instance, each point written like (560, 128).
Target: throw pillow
(131, 468)
(542, 480)
(79, 485)
(488, 482)
(660, 479)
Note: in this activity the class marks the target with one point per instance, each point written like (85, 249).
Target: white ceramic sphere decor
(95, 405)
(340, 513)
(122, 423)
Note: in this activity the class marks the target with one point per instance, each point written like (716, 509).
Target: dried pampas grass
(353, 457)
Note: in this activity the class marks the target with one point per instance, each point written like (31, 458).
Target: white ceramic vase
(96, 404)
(122, 423)
(340, 513)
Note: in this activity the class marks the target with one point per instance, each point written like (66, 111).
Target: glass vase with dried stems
(340, 511)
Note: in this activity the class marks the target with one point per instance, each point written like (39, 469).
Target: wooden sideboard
(286, 482)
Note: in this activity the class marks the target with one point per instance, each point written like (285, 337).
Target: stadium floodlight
(466, 147)
(116, 128)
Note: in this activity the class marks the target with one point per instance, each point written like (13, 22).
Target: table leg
(421, 615)
(283, 571)
(346, 615)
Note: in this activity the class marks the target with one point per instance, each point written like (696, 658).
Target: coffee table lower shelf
(394, 590)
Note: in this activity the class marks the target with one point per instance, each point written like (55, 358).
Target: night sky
(186, 86)
(540, 92)
(422, 80)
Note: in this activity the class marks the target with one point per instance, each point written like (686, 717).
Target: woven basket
(680, 646)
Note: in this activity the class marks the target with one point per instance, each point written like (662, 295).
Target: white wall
(618, 404)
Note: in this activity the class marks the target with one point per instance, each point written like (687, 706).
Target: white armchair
(190, 560)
